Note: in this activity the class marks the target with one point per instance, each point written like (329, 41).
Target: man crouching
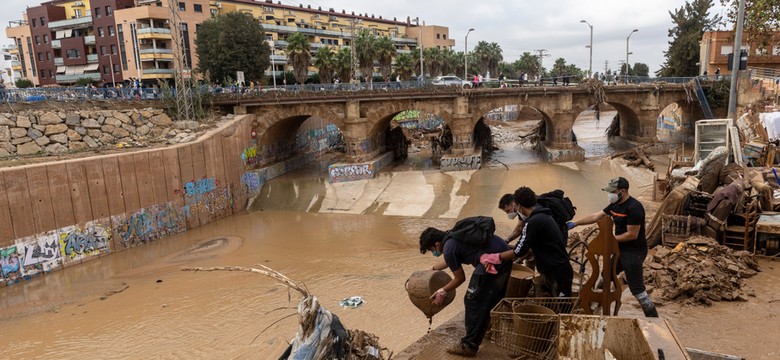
(486, 287)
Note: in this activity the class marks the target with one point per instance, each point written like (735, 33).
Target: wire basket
(528, 327)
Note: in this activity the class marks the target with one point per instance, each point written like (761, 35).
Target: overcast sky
(519, 25)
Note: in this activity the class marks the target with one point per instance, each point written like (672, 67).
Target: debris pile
(700, 271)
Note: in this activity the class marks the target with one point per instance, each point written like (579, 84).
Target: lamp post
(590, 59)
(111, 63)
(466, 56)
(422, 69)
(273, 63)
(625, 76)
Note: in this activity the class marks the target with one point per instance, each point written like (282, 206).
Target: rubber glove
(488, 260)
(570, 224)
(438, 296)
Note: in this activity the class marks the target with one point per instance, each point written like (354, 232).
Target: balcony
(59, 61)
(158, 71)
(76, 23)
(279, 58)
(88, 40)
(156, 51)
(74, 77)
(292, 29)
(56, 44)
(16, 65)
(92, 58)
(155, 33)
(11, 48)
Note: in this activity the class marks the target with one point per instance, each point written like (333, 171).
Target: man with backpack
(561, 208)
(542, 236)
(465, 244)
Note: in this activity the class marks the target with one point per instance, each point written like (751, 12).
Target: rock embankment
(41, 132)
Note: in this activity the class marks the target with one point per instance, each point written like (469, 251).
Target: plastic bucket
(519, 281)
(535, 328)
(422, 284)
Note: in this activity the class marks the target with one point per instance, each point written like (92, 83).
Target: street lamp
(466, 56)
(629, 37)
(422, 69)
(111, 64)
(590, 61)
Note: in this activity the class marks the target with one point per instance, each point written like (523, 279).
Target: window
(438, 36)
(198, 8)
(725, 50)
(213, 12)
(37, 40)
(109, 12)
(77, 13)
(50, 75)
(119, 28)
(445, 36)
(116, 68)
(113, 49)
(105, 69)
(48, 55)
(45, 39)
(34, 22)
(100, 31)
(290, 20)
(182, 6)
(43, 74)
(102, 49)
(110, 30)
(43, 21)
(97, 12)
(40, 56)
(73, 54)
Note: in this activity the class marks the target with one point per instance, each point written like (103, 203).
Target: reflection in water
(166, 313)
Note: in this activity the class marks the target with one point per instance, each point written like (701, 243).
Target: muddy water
(340, 240)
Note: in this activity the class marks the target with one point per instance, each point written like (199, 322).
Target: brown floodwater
(339, 240)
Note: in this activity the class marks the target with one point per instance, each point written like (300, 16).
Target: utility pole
(182, 72)
(542, 54)
(606, 67)
(422, 69)
(736, 59)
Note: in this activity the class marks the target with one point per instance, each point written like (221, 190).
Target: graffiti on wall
(467, 162)
(252, 182)
(352, 172)
(205, 196)
(40, 253)
(148, 224)
(11, 264)
(78, 243)
(250, 158)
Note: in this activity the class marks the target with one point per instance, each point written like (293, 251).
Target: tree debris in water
(319, 330)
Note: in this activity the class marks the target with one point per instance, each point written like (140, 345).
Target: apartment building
(10, 68)
(715, 47)
(110, 41)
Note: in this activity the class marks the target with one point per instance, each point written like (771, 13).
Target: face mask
(436, 253)
(523, 217)
(512, 215)
(613, 198)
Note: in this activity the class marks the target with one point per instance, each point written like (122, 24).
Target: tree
(325, 61)
(343, 64)
(404, 65)
(451, 62)
(489, 55)
(559, 68)
(385, 52)
(690, 22)
(640, 69)
(23, 83)
(299, 55)
(232, 42)
(366, 50)
(528, 64)
(434, 59)
(762, 19)
(84, 81)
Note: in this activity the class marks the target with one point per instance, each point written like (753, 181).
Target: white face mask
(613, 198)
(511, 215)
(523, 217)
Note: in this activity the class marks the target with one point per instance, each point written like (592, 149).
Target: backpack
(474, 231)
(561, 207)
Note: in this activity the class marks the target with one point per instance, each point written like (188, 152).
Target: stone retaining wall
(33, 132)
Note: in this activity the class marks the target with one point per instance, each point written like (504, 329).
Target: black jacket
(542, 235)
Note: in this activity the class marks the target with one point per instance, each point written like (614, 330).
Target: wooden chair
(741, 226)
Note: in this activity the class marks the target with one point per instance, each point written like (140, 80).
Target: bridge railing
(77, 94)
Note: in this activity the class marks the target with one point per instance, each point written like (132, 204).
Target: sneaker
(462, 350)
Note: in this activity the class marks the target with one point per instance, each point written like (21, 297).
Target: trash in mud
(352, 302)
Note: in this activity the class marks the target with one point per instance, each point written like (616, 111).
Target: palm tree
(488, 55)
(385, 52)
(299, 55)
(528, 64)
(559, 68)
(405, 65)
(365, 47)
(435, 59)
(343, 64)
(325, 61)
(450, 62)
(496, 56)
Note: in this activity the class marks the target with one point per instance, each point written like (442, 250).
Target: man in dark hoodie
(542, 236)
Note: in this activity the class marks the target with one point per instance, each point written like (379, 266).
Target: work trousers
(631, 263)
(483, 293)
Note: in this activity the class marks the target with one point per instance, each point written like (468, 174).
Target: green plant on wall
(23, 83)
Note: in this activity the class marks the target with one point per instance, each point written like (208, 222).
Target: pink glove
(488, 260)
(438, 296)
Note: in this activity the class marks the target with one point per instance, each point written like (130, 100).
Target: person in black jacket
(542, 236)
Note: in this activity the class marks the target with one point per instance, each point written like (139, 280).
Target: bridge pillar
(646, 130)
(462, 129)
(559, 145)
(355, 132)
(239, 110)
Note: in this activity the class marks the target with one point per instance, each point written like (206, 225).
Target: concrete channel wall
(58, 214)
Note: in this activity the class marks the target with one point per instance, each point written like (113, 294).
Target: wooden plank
(79, 192)
(19, 203)
(96, 183)
(144, 178)
(40, 196)
(129, 182)
(113, 179)
(187, 175)
(158, 177)
(6, 226)
(199, 172)
(60, 194)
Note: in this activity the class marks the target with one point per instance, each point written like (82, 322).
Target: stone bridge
(364, 117)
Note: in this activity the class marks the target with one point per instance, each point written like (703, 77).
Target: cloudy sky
(519, 25)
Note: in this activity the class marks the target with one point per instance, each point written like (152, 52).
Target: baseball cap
(616, 183)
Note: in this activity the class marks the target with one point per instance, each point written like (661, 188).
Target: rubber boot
(647, 304)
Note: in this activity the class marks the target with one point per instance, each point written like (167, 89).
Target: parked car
(450, 80)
